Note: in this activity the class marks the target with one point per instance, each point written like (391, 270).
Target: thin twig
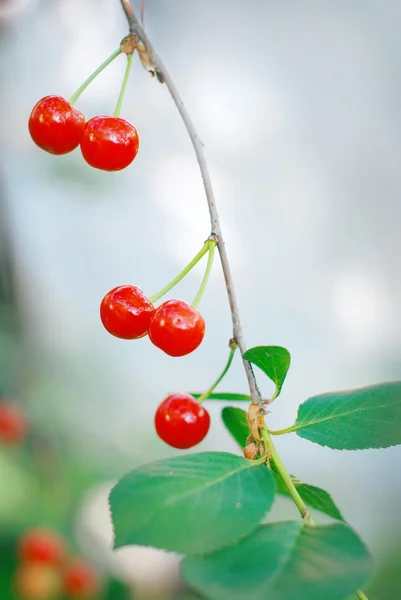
(164, 77)
(136, 29)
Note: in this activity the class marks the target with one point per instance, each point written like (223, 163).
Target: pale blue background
(298, 105)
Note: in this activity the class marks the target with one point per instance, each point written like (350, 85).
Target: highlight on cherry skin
(177, 328)
(181, 421)
(109, 143)
(55, 125)
(126, 312)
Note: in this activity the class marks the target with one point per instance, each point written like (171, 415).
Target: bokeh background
(298, 108)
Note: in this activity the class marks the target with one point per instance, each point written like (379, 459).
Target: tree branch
(152, 59)
(163, 75)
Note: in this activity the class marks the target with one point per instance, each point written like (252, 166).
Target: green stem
(124, 85)
(286, 477)
(198, 297)
(85, 84)
(173, 283)
(283, 431)
(206, 394)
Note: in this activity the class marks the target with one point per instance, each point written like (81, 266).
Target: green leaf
(317, 498)
(358, 419)
(274, 361)
(314, 497)
(284, 561)
(225, 396)
(191, 504)
(235, 421)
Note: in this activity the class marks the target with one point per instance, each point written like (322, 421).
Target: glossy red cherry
(55, 125)
(126, 312)
(41, 545)
(109, 143)
(177, 328)
(13, 425)
(80, 581)
(181, 421)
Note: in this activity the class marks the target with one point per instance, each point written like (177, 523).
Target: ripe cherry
(37, 582)
(126, 312)
(109, 143)
(177, 328)
(41, 545)
(181, 421)
(55, 125)
(80, 580)
(13, 425)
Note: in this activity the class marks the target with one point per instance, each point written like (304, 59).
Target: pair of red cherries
(107, 143)
(176, 328)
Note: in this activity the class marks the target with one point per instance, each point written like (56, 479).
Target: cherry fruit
(126, 312)
(176, 328)
(80, 580)
(181, 421)
(42, 545)
(37, 582)
(13, 425)
(55, 125)
(109, 143)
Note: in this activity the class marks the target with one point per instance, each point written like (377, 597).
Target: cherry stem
(284, 431)
(124, 85)
(85, 84)
(198, 297)
(205, 248)
(205, 395)
(286, 477)
(289, 483)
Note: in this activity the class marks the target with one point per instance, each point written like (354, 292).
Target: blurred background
(298, 108)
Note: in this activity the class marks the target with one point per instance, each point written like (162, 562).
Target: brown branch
(163, 75)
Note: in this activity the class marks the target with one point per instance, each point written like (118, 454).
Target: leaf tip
(115, 544)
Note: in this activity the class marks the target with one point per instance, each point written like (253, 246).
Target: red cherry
(109, 143)
(55, 125)
(37, 582)
(126, 312)
(80, 580)
(177, 328)
(181, 421)
(41, 545)
(13, 425)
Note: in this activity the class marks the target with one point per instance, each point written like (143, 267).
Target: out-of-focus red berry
(42, 545)
(80, 581)
(13, 425)
(33, 581)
